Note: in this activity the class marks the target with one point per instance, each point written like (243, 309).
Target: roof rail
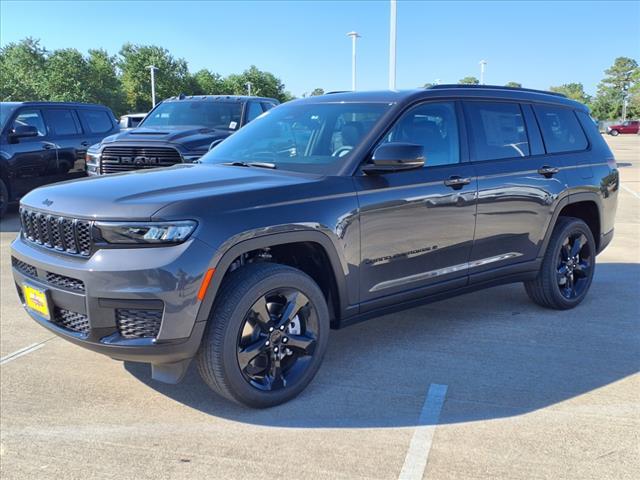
(495, 87)
(337, 91)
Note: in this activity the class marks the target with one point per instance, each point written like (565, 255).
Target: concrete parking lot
(487, 385)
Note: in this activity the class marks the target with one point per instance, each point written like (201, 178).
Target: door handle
(85, 144)
(48, 146)
(548, 171)
(456, 182)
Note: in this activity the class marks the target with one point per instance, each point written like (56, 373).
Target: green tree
(172, 76)
(469, 81)
(317, 91)
(619, 84)
(263, 84)
(22, 71)
(104, 83)
(67, 77)
(513, 85)
(574, 91)
(208, 83)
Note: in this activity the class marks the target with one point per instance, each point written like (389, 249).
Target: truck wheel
(266, 336)
(4, 198)
(614, 132)
(567, 267)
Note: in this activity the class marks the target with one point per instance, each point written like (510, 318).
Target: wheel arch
(335, 290)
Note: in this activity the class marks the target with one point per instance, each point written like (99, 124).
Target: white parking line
(23, 351)
(416, 460)
(632, 192)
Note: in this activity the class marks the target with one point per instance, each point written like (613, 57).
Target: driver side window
(31, 118)
(435, 127)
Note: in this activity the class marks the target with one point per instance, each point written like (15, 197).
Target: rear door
(518, 185)
(67, 135)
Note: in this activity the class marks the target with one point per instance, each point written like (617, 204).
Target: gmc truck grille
(125, 159)
(63, 234)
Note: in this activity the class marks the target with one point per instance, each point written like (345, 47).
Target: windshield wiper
(273, 166)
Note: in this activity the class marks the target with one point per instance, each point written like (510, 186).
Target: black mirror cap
(394, 157)
(21, 131)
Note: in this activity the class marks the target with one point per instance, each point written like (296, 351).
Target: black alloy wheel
(575, 261)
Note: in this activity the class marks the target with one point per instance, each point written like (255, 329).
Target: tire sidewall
(241, 389)
(551, 263)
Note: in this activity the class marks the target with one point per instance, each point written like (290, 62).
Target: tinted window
(267, 106)
(434, 126)
(255, 110)
(30, 118)
(206, 113)
(98, 121)
(561, 131)
(497, 130)
(61, 122)
(302, 137)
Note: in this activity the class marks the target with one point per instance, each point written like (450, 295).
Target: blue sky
(304, 43)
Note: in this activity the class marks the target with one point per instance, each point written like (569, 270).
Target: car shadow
(499, 354)
(10, 222)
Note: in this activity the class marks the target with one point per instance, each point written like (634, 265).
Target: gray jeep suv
(321, 213)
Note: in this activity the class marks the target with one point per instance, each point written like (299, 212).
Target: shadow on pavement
(11, 221)
(499, 354)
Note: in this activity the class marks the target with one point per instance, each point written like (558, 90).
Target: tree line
(28, 71)
(620, 85)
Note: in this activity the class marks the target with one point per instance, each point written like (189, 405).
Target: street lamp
(392, 44)
(354, 36)
(483, 64)
(248, 84)
(153, 69)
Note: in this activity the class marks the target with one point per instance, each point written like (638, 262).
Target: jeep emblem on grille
(47, 202)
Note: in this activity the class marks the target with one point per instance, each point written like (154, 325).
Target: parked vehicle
(178, 130)
(131, 120)
(46, 142)
(324, 212)
(630, 126)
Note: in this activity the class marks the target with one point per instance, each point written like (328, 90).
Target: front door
(417, 226)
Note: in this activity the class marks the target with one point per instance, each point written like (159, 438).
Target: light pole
(392, 44)
(153, 69)
(483, 64)
(354, 36)
(248, 84)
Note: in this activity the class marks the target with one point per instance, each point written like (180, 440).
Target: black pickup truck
(178, 130)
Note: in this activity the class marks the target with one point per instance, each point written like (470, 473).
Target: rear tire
(567, 267)
(614, 133)
(266, 336)
(4, 198)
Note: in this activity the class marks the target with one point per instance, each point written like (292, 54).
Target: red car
(630, 126)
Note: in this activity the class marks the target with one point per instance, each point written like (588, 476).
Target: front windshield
(6, 110)
(314, 138)
(205, 113)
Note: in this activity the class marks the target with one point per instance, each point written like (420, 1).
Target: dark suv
(323, 212)
(46, 142)
(179, 130)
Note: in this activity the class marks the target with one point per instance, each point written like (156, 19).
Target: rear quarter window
(561, 131)
(98, 121)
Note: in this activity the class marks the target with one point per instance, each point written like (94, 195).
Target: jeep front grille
(64, 234)
(138, 323)
(124, 159)
(24, 267)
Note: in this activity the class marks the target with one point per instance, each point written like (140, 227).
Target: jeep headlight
(136, 233)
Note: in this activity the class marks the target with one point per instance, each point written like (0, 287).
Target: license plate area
(36, 300)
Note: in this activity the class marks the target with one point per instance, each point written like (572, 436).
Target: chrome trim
(396, 282)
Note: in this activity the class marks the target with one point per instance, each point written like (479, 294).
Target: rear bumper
(155, 287)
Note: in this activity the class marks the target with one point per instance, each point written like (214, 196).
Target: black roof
(220, 98)
(443, 91)
(44, 104)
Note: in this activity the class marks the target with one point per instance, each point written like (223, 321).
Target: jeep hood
(139, 194)
(191, 137)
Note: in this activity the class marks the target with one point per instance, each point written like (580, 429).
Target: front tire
(567, 267)
(614, 133)
(266, 337)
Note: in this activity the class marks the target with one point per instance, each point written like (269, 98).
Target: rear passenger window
(497, 130)
(255, 110)
(98, 121)
(561, 131)
(61, 122)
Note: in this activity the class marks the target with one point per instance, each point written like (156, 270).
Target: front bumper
(154, 285)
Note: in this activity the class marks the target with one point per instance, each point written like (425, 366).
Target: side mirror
(395, 157)
(23, 131)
